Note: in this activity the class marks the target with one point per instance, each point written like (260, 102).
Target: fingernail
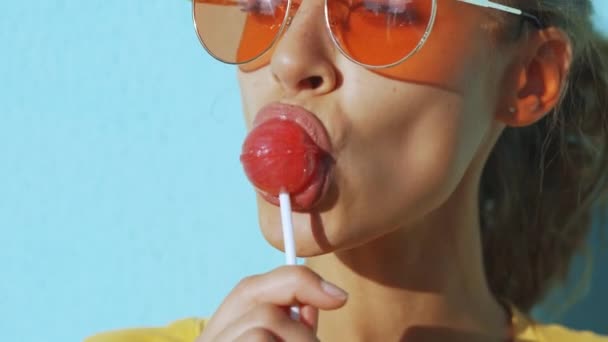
(333, 290)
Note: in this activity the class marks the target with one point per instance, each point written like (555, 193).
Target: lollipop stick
(288, 239)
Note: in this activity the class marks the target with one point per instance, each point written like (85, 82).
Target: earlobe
(541, 77)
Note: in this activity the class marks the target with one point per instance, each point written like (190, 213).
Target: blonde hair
(543, 184)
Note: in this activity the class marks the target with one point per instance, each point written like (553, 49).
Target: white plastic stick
(288, 240)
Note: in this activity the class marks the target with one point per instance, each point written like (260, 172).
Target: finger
(284, 286)
(265, 321)
(309, 315)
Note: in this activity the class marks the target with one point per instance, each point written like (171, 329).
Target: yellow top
(188, 330)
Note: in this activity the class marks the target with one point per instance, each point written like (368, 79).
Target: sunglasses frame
(429, 29)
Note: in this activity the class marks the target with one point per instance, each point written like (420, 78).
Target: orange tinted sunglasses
(372, 33)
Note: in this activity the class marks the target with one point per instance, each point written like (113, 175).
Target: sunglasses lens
(379, 32)
(238, 31)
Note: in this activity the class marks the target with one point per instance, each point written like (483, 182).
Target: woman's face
(402, 138)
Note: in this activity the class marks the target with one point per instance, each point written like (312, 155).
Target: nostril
(312, 82)
(316, 81)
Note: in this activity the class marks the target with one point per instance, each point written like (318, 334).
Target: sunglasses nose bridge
(308, 18)
(294, 8)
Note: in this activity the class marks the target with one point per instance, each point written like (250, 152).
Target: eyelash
(404, 13)
(264, 7)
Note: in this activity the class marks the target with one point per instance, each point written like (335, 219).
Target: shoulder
(529, 330)
(186, 330)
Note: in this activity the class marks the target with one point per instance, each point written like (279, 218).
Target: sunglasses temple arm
(490, 4)
(503, 8)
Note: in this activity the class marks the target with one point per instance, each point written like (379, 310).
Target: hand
(257, 309)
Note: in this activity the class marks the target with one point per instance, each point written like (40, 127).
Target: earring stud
(512, 110)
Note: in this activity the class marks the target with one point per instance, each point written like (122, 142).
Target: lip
(314, 193)
(307, 120)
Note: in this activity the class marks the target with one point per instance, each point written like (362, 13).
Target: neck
(421, 283)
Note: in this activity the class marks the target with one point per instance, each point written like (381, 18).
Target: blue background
(122, 201)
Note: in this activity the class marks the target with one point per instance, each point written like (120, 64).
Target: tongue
(279, 155)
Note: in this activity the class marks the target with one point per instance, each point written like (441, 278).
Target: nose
(303, 61)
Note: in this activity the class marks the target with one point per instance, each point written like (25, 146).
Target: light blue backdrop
(122, 201)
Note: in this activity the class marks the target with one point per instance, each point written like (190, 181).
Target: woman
(468, 142)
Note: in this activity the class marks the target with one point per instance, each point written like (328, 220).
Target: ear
(538, 77)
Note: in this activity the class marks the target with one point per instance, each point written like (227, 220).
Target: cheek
(404, 158)
(256, 91)
(438, 152)
(409, 157)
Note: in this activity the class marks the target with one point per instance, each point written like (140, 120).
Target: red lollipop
(279, 155)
